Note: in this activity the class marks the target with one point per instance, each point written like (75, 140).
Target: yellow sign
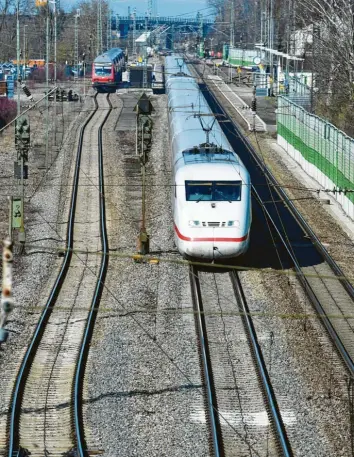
(140, 59)
(41, 2)
(239, 70)
(17, 212)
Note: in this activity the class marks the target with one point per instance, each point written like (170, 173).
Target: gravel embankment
(144, 394)
(34, 273)
(308, 377)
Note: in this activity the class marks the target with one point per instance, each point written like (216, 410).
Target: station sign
(41, 3)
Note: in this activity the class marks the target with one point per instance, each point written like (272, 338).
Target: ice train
(211, 196)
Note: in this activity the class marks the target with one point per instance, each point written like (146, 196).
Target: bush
(8, 110)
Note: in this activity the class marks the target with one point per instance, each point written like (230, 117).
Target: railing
(168, 19)
(323, 151)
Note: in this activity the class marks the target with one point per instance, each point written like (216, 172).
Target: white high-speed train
(211, 197)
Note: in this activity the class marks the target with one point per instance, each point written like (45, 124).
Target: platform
(254, 122)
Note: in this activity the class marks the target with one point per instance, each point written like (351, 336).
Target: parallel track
(230, 378)
(326, 297)
(59, 345)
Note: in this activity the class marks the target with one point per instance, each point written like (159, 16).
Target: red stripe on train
(230, 240)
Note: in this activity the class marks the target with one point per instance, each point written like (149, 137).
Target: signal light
(254, 105)
(22, 131)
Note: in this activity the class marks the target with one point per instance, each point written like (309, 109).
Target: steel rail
(261, 368)
(17, 396)
(215, 426)
(81, 363)
(316, 242)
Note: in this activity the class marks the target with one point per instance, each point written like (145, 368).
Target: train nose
(213, 245)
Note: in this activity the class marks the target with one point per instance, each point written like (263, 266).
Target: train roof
(175, 65)
(189, 112)
(109, 56)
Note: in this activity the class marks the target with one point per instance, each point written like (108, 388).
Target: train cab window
(213, 191)
(227, 191)
(102, 70)
(199, 190)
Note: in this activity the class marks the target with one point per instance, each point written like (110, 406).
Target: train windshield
(220, 191)
(102, 70)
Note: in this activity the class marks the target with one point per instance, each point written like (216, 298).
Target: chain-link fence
(323, 151)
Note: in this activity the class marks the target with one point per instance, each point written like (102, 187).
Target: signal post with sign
(22, 142)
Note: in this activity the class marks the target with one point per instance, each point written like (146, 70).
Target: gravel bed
(35, 272)
(241, 404)
(143, 385)
(307, 375)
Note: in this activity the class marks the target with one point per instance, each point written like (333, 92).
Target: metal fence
(299, 92)
(323, 151)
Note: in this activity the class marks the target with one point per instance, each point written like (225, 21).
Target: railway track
(240, 397)
(46, 411)
(332, 300)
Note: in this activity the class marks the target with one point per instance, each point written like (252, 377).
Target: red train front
(107, 70)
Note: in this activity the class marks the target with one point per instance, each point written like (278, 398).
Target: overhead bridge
(126, 23)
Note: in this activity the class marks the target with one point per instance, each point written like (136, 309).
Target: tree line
(33, 22)
(320, 31)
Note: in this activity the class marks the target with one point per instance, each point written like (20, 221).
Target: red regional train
(107, 70)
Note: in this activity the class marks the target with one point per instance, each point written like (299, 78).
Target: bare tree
(332, 54)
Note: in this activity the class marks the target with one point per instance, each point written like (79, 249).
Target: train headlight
(233, 223)
(194, 223)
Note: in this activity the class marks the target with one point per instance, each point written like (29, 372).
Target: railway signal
(144, 126)
(22, 142)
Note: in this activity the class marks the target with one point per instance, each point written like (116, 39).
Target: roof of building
(143, 38)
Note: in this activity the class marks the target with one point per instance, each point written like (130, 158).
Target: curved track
(238, 388)
(47, 396)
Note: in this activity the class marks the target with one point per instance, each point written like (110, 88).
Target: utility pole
(55, 71)
(232, 24)
(201, 34)
(47, 90)
(18, 57)
(134, 31)
(109, 30)
(76, 44)
(172, 37)
(24, 51)
(54, 2)
(254, 107)
(145, 78)
(99, 28)
(117, 27)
